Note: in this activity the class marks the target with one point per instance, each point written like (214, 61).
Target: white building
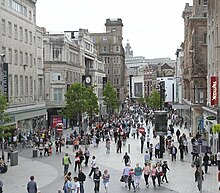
(169, 88)
(21, 44)
(67, 60)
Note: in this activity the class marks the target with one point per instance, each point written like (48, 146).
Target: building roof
(166, 66)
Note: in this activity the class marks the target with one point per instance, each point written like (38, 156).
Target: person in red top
(77, 162)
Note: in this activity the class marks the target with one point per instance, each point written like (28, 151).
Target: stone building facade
(213, 71)
(66, 61)
(109, 47)
(62, 68)
(21, 46)
(194, 66)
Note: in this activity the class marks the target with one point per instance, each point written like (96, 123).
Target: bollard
(129, 148)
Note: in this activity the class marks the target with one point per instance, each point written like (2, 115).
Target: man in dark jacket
(96, 178)
(164, 170)
(81, 179)
(32, 186)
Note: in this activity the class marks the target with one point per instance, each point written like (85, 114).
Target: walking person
(96, 178)
(66, 162)
(142, 138)
(147, 157)
(93, 166)
(77, 162)
(157, 150)
(138, 173)
(164, 170)
(76, 185)
(181, 148)
(32, 185)
(125, 173)
(147, 171)
(206, 162)
(87, 155)
(151, 151)
(81, 179)
(119, 145)
(159, 173)
(173, 151)
(108, 145)
(148, 141)
(126, 158)
(131, 179)
(154, 175)
(106, 178)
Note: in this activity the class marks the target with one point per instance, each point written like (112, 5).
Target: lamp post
(1, 121)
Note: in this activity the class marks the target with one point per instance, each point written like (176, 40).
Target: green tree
(141, 100)
(92, 106)
(110, 98)
(153, 100)
(79, 100)
(5, 130)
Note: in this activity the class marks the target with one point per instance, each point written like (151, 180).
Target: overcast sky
(153, 28)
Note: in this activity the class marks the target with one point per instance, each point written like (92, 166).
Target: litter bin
(14, 158)
(35, 152)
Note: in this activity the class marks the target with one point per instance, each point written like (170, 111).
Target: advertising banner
(56, 120)
(5, 79)
(214, 90)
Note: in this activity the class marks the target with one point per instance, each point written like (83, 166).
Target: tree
(4, 119)
(79, 100)
(154, 100)
(92, 106)
(110, 98)
(141, 100)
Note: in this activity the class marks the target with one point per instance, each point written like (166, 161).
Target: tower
(115, 26)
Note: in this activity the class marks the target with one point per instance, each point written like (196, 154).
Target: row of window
(70, 76)
(19, 8)
(115, 60)
(7, 28)
(111, 49)
(17, 57)
(20, 86)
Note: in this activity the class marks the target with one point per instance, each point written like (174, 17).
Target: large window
(31, 86)
(26, 59)
(16, 57)
(21, 86)
(31, 60)
(57, 94)
(16, 32)
(10, 56)
(57, 54)
(26, 36)
(21, 34)
(3, 27)
(26, 86)
(16, 85)
(10, 29)
(21, 59)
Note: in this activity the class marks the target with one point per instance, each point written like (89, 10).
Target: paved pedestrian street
(48, 171)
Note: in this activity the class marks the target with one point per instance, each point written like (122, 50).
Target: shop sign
(5, 79)
(56, 120)
(214, 90)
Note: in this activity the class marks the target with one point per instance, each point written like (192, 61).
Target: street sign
(142, 130)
